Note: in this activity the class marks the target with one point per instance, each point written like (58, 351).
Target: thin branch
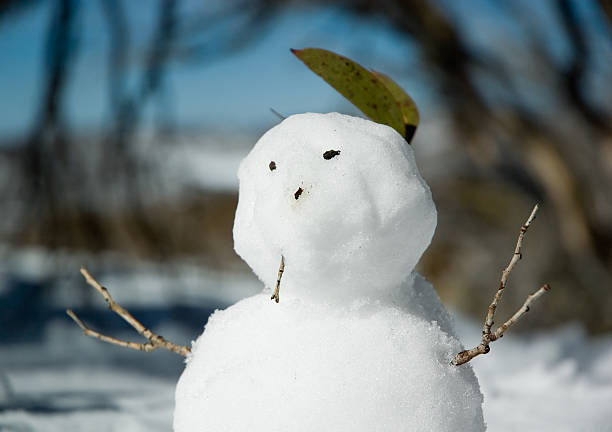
(154, 341)
(148, 346)
(487, 336)
(277, 114)
(281, 269)
(506, 273)
(519, 313)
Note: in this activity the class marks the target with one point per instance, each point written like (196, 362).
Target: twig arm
(516, 256)
(519, 313)
(112, 305)
(148, 346)
(487, 336)
(483, 347)
(154, 340)
(467, 355)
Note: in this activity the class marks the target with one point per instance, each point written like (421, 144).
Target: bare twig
(487, 335)
(277, 114)
(519, 313)
(281, 269)
(506, 273)
(154, 341)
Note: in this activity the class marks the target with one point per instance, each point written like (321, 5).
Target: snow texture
(359, 342)
(341, 199)
(557, 380)
(553, 381)
(310, 366)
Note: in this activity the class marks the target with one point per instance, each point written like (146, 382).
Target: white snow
(557, 380)
(66, 382)
(206, 162)
(308, 366)
(361, 219)
(359, 341)
(133, 281)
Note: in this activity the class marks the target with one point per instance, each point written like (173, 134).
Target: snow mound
(308, 366)
(360, 342)
(341, 199)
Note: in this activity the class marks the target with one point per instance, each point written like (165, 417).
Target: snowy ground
(552, 381)
(54, 379)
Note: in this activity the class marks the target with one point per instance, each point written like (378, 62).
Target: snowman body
(359, 340)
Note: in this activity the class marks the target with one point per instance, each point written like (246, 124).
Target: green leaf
(410, 113)
(374, 93)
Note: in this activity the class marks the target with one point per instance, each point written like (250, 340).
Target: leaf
(374, 93)
(410, 113)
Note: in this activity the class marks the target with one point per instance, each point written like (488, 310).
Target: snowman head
(341, 199)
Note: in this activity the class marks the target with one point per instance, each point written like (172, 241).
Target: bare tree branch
(487, 336)
(154, 341)
(519, 313)
(506, 273)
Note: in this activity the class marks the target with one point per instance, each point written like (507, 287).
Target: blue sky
(236, 92)
(233, 92)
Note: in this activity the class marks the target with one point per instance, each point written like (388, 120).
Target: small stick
(277, 114)
(281, 269)
(506, 273)
(519, 313)
(487, 335)
(154, 341)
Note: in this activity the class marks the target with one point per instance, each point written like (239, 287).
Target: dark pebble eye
(330, 154)
(272, 166)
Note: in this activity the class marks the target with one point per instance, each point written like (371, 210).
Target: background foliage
(515, 109)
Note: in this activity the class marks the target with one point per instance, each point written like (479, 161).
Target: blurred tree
(529, 125)
(561, 156)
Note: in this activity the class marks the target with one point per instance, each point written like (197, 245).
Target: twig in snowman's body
(154, 340)
(483, 348)
(281, 269)
(487, 336)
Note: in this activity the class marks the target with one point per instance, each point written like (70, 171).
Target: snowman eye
(272, 166)
(330, 154)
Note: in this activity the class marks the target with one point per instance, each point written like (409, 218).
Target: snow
(66, 382)
(557, 380)
(89, 399)
(357, 221)
(309, 366)
(208, 162)
(134, 281)
(360, 341)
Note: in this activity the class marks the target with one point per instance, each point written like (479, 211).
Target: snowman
(332, 217)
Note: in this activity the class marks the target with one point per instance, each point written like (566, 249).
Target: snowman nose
(298, 193)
